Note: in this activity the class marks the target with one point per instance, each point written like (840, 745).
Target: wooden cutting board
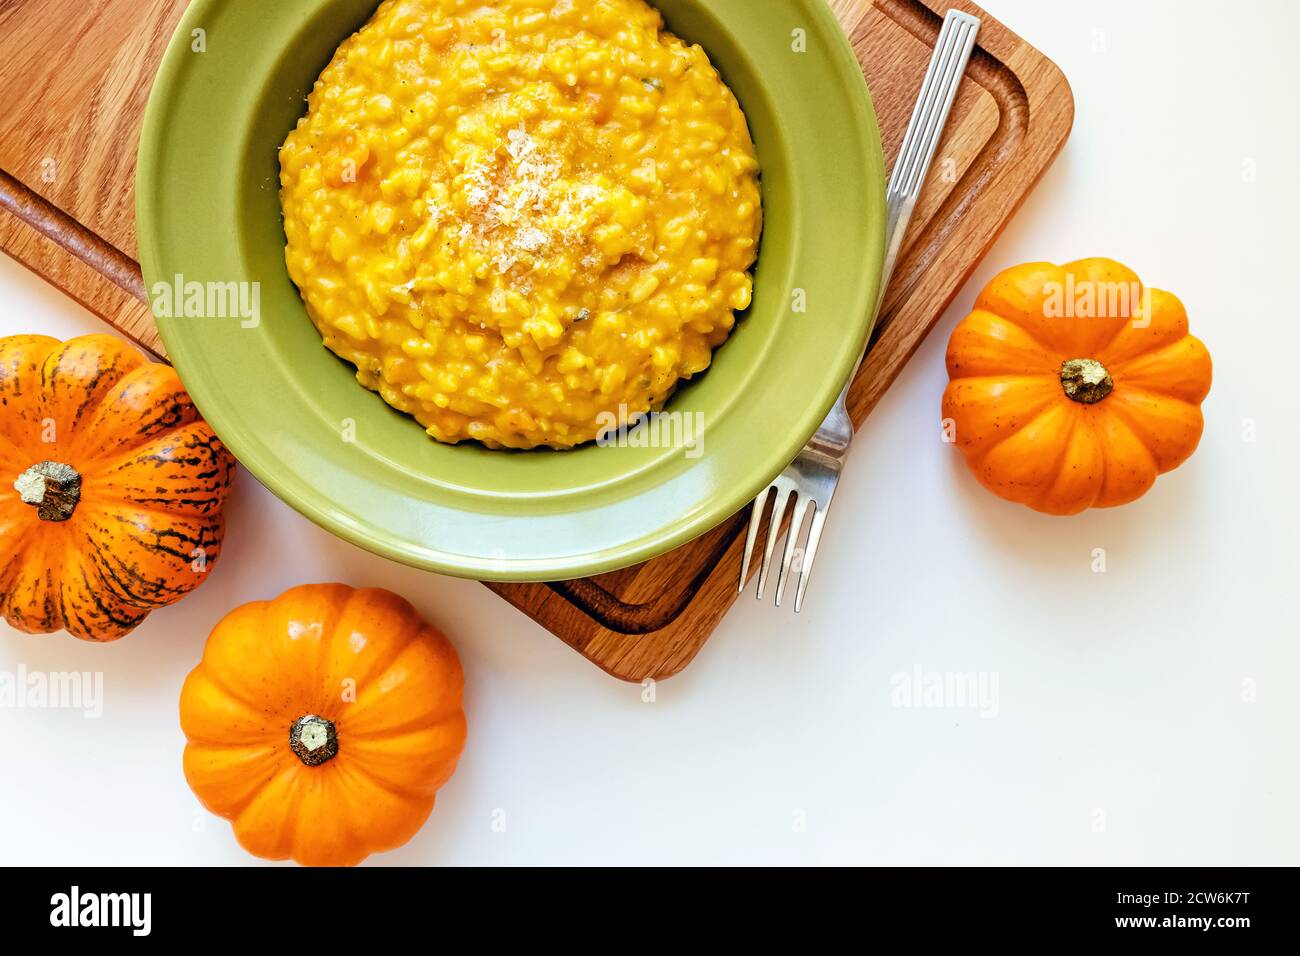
(75, 77)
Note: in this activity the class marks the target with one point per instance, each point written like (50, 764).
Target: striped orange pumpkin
(111, 486)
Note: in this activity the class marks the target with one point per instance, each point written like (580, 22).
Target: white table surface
(1147, 714)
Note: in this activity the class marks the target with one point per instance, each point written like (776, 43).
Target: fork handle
(938, 92)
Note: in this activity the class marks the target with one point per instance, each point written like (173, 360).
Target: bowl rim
(252, 451)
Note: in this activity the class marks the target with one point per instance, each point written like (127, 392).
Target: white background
(1125, 731)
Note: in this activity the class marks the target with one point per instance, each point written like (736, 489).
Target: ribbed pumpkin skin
(362, 659)
(1025, 439)
(154, 481)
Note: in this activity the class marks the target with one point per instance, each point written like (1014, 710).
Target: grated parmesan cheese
(520, 206)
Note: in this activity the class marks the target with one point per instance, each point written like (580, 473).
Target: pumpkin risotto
(519, 218)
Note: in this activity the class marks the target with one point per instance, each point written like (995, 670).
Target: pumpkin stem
(1085, 380)
(313, 739)
(52, 487)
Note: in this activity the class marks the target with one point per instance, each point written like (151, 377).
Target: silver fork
(811, 478)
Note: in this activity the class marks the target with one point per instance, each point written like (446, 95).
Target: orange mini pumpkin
(111, 486)
(1073, 386)
(321, 724)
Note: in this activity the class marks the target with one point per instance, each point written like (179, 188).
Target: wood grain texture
(75, 74)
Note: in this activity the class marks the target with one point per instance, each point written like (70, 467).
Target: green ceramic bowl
(208, 211)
